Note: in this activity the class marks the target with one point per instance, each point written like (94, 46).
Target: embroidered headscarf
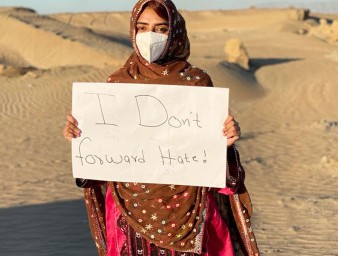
(172, 66)
(168, 216)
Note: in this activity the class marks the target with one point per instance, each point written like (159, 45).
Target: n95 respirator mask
(151, 45)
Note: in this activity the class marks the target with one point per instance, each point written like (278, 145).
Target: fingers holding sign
(71, 131)
(231, 130)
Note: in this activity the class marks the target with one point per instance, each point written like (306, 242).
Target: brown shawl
(168, 216)
(172, 66)
(236, 210)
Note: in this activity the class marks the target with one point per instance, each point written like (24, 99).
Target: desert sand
(286, 103)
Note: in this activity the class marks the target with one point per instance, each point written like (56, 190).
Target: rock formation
(235, 52)
(325, 30)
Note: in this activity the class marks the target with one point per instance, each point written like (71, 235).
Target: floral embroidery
(172, 187)
(154, 217)
(149, 227)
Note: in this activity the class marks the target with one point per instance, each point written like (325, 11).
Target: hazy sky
(53, 6)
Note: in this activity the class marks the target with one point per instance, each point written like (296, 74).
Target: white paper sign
(161, 134)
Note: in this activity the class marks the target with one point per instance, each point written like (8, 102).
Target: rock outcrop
(325, 30)
(298, 14)
(235, 52)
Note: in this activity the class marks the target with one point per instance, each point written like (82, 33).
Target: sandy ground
(286, 105)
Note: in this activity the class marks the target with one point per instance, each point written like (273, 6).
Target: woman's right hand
(71, 131)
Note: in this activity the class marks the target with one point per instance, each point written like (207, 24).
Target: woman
(151, 219)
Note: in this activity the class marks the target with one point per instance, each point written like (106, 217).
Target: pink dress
(217, 241)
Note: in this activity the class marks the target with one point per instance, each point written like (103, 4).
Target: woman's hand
(232, 130)
(71, 130)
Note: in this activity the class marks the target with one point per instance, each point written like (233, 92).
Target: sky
(57, 6)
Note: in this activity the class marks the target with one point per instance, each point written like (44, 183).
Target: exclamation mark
(205, 155)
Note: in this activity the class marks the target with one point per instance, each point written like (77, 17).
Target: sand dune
(285, 103)
(53, 43)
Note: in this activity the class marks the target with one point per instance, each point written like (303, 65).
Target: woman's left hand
(231, 129)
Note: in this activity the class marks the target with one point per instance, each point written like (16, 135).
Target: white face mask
(151, 45)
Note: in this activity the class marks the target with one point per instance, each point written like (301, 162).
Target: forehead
(150, 16)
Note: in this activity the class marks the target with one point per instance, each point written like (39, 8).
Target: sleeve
(235, 173)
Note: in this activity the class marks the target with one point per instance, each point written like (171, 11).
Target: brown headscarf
(172, 66)
(168, 216)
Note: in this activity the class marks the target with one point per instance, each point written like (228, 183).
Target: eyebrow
(157, 24)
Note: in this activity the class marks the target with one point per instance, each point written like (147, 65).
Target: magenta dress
(217, 241)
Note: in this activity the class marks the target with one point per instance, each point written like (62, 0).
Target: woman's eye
(141, 28)
(162, 30)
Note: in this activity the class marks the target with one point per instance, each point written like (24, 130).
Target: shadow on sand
(256, 64)
(259, 63)
(57, 229)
